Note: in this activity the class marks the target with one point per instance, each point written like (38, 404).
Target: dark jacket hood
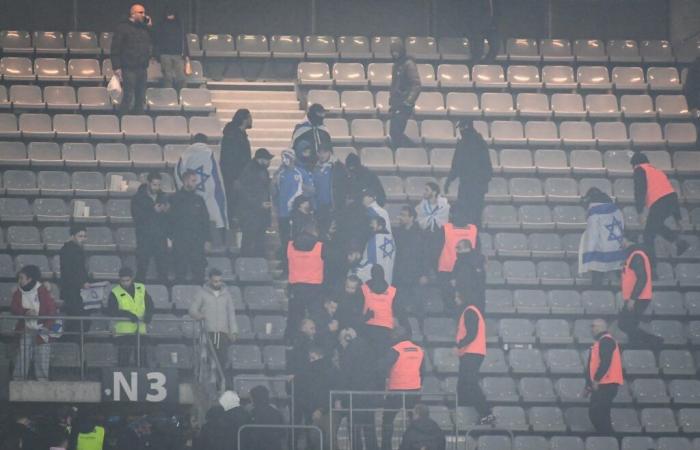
(426, 425)
(305, 242)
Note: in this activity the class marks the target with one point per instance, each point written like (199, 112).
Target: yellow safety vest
(135, 305)
(91, 441)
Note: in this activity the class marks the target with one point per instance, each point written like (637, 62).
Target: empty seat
(551, 162)
(639, 362)
(533, 105)
(427, 76)
(625, 51)
(412, 160)
(542, 133)
(526, 361)
(60, 98)
(511, 244)
(70, 126)
(314, 74)
(590, 50)
(577, 133)
(162, 99)
(353, 47)
(438, 132)
(611, 134)
(656, 51)
(349, 75)
(556, 50)
(196, 100)
(526, 190)
(628, 78)
(20, 182)
(663, 79)
(593, 77)
(329, 99)
(378, 158)
(339, 131)
(13, 154)
(688, 274)
(36, 126)
(94, 99)
(245, 357)
(51, 69)
(587, 162)
(16, 69)
(367, 131)
(16, 42)
(602, 106)
(218, 45)
(24, 238)
(138, 127)
(454, 76)
(82, 43)
(649, 391)
(49, 43)
(558, 77)
(26, 97)
(54, 183)
(554, 273)
(104, 127)
(379, 74)
(252, 46)
(637, 106)
(568, 106)
(536, 217)
(171, 128)
(658, 420)
(488, 76)
(112, 155)
(208, 126)
(286, 47)
(497, 104)
(569, 217)
(511, 417)
(430, 104)
(15, 210)
(507, 132)
(146, 155)
(537, 390)
(516, 331)
(422, 48)
(352, 102)
(546, 419)
(524, 77)
(601, 443)
(252, 270)
(680, 134)
(88, 183)
(104, 266)
(320, 47)
(520, 272)
(463, 104)
(672, 106)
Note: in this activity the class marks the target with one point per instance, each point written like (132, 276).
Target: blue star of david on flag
(203, 177)
(387, 248)
(615, 230)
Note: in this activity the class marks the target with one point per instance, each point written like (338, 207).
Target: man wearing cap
(405, 88)
(311, 134)
(653, 191)
(255, 205)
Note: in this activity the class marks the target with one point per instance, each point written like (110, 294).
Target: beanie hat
(229, 400)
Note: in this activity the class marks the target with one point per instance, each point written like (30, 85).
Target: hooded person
(288, 185)
(404, 91)
(200, 159)
(254, 204)
(311, 134)
(471, 165)
(360, 179)
(235, 154)
(423, 433)
(601, 247)
(379, 311)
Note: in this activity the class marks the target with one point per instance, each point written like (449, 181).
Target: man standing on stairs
(311, 134)
(235, 155)
(603, 376)
(404, 91)
(636, 283)
(149, 208)
(254, 204)
(653, 191)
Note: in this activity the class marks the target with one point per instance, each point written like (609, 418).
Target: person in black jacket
(189, 228)
(235, 155)
(311, 134)
(72, 281)
(351, 304)
(404, 91)
(130, 54)
(149, 208)
(423, 433)
(481, 25)
(21, 434)
(254, 204)
(171, 50)
(471, 165)
(469, 275)
(223, 420)
(263, 413)
(410, 269)
(330, 182)
(361, 179)
(691, 88)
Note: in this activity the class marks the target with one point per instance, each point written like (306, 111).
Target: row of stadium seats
(29, 97)
(527, 105)
(500, 442)
(452, 76)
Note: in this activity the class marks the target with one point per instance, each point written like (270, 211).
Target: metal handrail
(286, 427)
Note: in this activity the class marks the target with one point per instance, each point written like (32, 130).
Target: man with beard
(72, 281)
(149, 208)
(311, 134)
(405, 87)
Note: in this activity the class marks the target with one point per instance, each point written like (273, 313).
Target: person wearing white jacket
(214, 304)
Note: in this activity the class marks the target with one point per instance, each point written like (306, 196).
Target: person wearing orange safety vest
(654, 191)
(405, 366)
(470, 343)
(306, 254)
(458, 229)
(603, 376)
(637, 290)
(379, 305)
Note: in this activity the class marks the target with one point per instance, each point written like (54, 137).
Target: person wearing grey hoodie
(214, 304)
(405, 88)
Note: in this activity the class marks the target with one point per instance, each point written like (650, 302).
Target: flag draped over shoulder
(200, 159)
(600, 248)
(380, 249)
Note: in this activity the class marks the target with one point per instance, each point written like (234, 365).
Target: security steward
(603, 376)
(378, 311)
(91, 439)
(636, 284)
(130, 301)
(471, 349)
(306, 266)
(653, 191)
(458, 229)
(404, 365)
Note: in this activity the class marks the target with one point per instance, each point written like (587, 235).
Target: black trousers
(476, 37)
(599, 410)
(189, 259)
(468, 390)
(285, 230)
(127, 345)
(253, 241)
(471, 202)
(397, 129)
(134, 91)
(393, 404)
(151, 249)
(628, 321)
(665, 207)
(303, 299)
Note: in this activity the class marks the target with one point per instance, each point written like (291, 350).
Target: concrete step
(283, 96)
(259, 133)
(288, 114)
(257, 104)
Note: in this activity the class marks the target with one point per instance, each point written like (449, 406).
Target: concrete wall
(684, 22)
(72, 392)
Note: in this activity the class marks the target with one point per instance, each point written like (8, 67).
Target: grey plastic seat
(684, 392)
(500, 389)
(499, 301)
(639, 362)
(331, 99)
(537, 390)
(423, 48)
(196, 100)
(555, 50)
(558, 77)
(671, 331)
(611, 134)
(568, 106)
(511, 244)
(36, 126)
(104, 266)
(444, 361)
(674, 443)
(515, 331)
(51, 70)
(138, 127)
(494, 362)
(570, 391)
(339, 130)
(351, 102)
(638, 443)
(320, 47)
(436, 132)
(14, 154)
(650, 391)
(565, 302)
(112, 155)
(511, 417)
(546, 245)
(623, 51)
(88, 183)
(533, 105)
(587, 162)
(94, 99)
(658, 420)
(462, 104)
(164, 356)
(439, 329)
(83, 43)
(353, 48)
(628, 78)
(520, 272)
(412, 160)
(218, 46)
(100, 354)
(78, 155)
(554, 273)
(20, 182)
(501, 216)
(252, 46)
(542, 133)
(546, 419)
(104, 127)
(65, 355)
(566, 443)
(15, 210)
(430, 104)
(553, 331)
(593, 77)
(488, 76)
(625, 420)
(672, 107)
(49, 43)
(598, 302)
(99, 239)
(528, 190)
(263, 298)
(454, 76)
(601, 443)
(551, 162)
(656, 51)
(663, 79)
(643, 134)
(269, 327)
(507, 133)
(245, 357)
(162, 100)
(252, 270)
(522, 50)
(602, 106)
(70, 126)
(379, 74)
(367, 131)
(569, 217)
(85, 71)
(497, 104)
(349, 75)
(454, 49)
(24, 238)
(60, 98)
(688, 274)
(536, 217)
(171, 128)
(208, 126)
(381, 45)
(54, 183)
(637, 106)
(147, 156)
(524, 77)
(680, 134)
(14, 68)
(689, 420)
(26, 97)
(314, 74)
(590, 50)
(577, 133)
(16, 42)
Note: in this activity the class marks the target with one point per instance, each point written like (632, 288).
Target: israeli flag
(380, 249)
(200, 159)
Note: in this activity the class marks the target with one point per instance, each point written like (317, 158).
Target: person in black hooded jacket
(311, 134)
(471, 165)
(691, 88)
(235, 155)
(404, 91)
(361, 179)
(423, 433)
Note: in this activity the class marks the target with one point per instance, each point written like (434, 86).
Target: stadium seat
(16, 42)
(252, 46)
(672, 107)
(454, 76)
(556, 50)
(286, 47)
(349, 75)
(463, 104)
(26, 98)
(680, 134)
(427, 76)
(537, 390)
(577, 133)
(148, 156)
(656, 51)
(524, 77)
(320, 47)
(602, 106)
(664, 79)
(542, 133)
(522, 50)
(51, 70)
(354, 48)
(637, 107)
(611, 134)
(430, 104)
(314, 74)
(511, 417)
(623, 51)
(589, 50)
(422, 48)
(546, 419)
(515, 331)
(454, 49)
(13, 68)
(593, 77)
(496, 104)
(643, 134)
(486, 76)
(70, 126)
(533, 105)
(558, 77)
(171, 128)
(60, 98)
(218, 46)
(209, 126)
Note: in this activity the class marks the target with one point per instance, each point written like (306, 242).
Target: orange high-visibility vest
(614, 373)
(478, 345)
(305, 267)
(629, 278)
(657, 184)
(448, 256)
(382, 305)
(405, 374)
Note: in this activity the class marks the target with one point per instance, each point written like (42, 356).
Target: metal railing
(377, 397)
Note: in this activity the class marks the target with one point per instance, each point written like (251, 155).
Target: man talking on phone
(130, 54)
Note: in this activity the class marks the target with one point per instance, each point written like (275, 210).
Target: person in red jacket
(31, 298)
(603, 376)
(653, 191)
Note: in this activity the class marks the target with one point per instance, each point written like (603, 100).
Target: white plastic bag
(114, 87)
